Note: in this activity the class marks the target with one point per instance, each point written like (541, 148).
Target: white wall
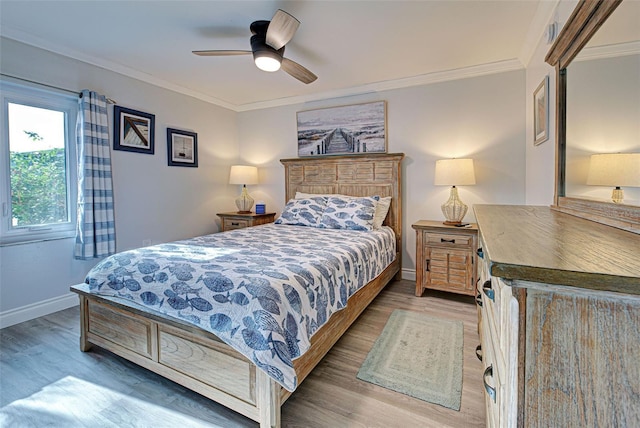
(603, 112)
(481, 118)
(540, 166)
(152, 200)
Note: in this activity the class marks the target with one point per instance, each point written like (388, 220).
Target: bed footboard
(192, 358)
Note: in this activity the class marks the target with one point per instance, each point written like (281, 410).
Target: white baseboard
(409, 274)
(39, 309)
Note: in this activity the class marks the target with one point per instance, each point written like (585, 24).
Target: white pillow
(382, 207)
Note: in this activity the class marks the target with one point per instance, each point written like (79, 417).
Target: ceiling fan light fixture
(267, 61)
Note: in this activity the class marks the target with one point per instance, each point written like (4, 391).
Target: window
(38, 184)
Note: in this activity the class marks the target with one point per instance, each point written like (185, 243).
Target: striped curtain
(95, 232)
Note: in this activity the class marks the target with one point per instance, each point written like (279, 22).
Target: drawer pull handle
(426, 265)
(491, 391)
(480, 253)
(479, 299)
(486, 289)
(479, 352)
(450, 241)
(235, 224)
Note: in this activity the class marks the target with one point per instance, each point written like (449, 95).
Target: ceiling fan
(267, 46)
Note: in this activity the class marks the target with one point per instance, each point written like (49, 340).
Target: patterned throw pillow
(349, 213)
(382, 207)
(303, 212)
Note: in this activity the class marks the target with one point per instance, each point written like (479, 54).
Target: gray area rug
(420, 356)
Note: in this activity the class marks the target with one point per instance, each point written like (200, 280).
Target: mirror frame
(586, 19)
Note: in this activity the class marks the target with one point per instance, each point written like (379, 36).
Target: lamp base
(454, 209)
(452, 223)
(244, 202)
(617, 196)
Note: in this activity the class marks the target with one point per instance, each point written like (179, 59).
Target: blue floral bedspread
(263, 290)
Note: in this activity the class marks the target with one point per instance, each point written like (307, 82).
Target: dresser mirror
(597, 60)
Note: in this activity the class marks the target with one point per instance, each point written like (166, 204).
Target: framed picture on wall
(352, 129)
(541, 112)
(133, 130)
(182, 148)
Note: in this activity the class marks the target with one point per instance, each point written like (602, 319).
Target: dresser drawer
(448, 239)
(235, 223)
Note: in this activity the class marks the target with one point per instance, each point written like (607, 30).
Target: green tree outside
(38, 186)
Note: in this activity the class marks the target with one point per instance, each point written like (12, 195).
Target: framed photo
(351, 129)
(541, 112)
(182, 148)
(133, 131)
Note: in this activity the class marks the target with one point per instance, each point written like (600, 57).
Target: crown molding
(29, 39)
(425, 79)
(609, 51)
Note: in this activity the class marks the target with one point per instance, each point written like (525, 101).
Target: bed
(203, 361)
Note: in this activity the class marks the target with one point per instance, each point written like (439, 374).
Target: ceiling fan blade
(221, 53)
(281, 29)
(298, 71)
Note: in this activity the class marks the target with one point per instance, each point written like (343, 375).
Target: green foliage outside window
(38, 187)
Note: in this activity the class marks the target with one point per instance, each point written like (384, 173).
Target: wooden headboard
(353, 175)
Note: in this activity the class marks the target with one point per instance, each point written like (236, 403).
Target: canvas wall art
(351, 129)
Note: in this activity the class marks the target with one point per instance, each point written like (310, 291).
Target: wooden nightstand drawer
(234, 223)
(448, 239)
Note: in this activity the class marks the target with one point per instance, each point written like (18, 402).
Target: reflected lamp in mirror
(242, 174)
(615, 169)
(454, 172)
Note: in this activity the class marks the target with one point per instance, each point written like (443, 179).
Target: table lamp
(454, 172)
(615, 169)
(241, 174)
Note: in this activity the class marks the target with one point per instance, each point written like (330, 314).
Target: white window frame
(11, 92)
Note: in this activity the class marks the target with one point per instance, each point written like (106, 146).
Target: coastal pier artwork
(353, 129)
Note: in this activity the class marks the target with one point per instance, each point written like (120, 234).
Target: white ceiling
(353, 46)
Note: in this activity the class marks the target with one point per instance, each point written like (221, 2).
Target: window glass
(39, 185)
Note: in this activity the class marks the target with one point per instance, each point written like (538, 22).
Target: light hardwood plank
(40, 352)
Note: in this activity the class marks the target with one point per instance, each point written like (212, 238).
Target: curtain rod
(109, 100)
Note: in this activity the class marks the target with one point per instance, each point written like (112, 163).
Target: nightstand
(446, 257)
(235, 220)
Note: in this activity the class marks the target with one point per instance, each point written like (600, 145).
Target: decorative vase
(244, 202)
(454, 209)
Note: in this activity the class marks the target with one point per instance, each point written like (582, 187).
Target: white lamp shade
(614, 169)
(241, 174)
(454, 172)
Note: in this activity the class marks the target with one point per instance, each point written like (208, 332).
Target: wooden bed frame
(197, 359)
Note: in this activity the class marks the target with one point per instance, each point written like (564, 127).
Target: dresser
(445, 257)
(560, 319)
(234, 220)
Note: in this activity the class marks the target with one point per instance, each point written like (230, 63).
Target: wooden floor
(41, 352)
